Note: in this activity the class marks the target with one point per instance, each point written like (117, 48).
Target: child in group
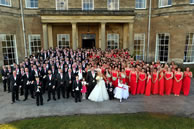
(84, 88)
(111, 91)
(121, 92)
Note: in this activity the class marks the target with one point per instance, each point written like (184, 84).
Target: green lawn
(128, 121)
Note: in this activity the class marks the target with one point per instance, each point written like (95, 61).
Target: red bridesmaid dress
(155, 84)
(123, 77)
(133, 83)
(114, 78)
(127, 75)
(177, 85)
(148, 87)
(161, 85)
(141, 84)
(186, 83)
(168, 83)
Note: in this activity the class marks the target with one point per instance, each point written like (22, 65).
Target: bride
(99, 93)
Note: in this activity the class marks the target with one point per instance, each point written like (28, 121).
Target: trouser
(77, 96)
(22, 89)
(29, 87)
(4, 84)
(90, 88)
(111, 95)
(44, 86)
(69, 90)
(39, 98)
(15, 95)
(60, 90)
(51, 91)
(8, 84)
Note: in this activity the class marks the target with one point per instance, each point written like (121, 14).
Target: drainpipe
(23, 27)
(149, 27)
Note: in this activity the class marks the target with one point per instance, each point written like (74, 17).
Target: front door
(88, 40)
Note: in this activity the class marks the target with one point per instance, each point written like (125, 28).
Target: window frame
(143, 43)
(141, 8)
(113, 9)
(164, 5)
(191, 2)
(85, 9)
(66, 5)
(30, 7)
(192, 50)
(117, 39)
(10, 1)
(29, 41)
(157, 49)
(65, 40)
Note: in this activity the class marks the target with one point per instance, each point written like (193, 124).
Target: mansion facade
(151, 29)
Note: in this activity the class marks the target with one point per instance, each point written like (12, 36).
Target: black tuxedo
(38, 91)
(60, 85)
(44, 75)
(77, 90)
(21, 83)
(9, 74)
(69, 81)
(28, 85)
(50, 83)
(110, 90)
(15, 87)
(4, 78)
(91, 82)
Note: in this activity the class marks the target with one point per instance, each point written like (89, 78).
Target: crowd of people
(79, 74)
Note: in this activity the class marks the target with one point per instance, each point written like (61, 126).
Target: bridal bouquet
(98, 78)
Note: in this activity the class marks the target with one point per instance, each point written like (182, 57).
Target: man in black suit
(22, 75)
(91, 79)
(69, 80)
(4, 77)
(77, 89)
(50, 83)
(15, 87)
(38, 91)
(9, 74)
(60, 84)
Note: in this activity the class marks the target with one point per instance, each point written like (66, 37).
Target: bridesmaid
(148, 85)
(187, 81)
(161, 82)
(177, 83)
(108, 75)
(133, 81)
(115, 77)
(168, 81)
(155, 82)
(123, 75)
(141, 82)
(127, 71)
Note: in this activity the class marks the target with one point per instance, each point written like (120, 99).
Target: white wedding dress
(99, 93)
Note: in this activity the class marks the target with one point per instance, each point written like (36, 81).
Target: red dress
(133, 83)
(161, 85)
(148, 87)
(141, 84)
(154, 84)
(168, 84)
(177, 85)
(127, 75)
(186, 83)
(114, 78)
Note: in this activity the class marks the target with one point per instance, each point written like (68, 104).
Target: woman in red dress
(108, 75)
(155, 82)
(123, 75)
(115, 77)
(168, 81)
(161, 82)
(187, 81)
(141, 82)
(177, 83)
(148, 85)
(133, 81)
(127, 71)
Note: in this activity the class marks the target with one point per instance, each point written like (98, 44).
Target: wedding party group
(92, 74)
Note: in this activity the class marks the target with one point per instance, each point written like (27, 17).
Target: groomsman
(69, 80)
(60, 84)
(4, 77)
(22, 75)
(77, 89)
(50, 83)
(15, 86)
(9, 74)
(38, 91)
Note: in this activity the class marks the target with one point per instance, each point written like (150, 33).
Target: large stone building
(163, 31)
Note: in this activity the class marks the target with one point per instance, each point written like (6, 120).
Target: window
(113, 4)
(113, 41)
(189, 48)
(63, 40)
(87, 4)
(31, 3)
(35, 44)
(191, 1)
(140, 4)
(165, 3)
(62, 4)
(139, 46)
(8, 48)
(5, 2)
(162, 42)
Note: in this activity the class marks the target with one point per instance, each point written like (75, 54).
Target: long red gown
(161, 85)
(148, 87)
(168, 84)
(133, 83)
(186, 83)
(114, 79)
(154, 84)
(177, 85)
(141, 84)
(127, 75)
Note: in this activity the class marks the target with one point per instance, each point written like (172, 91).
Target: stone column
(74, 36)
(125, 36)
(50, 36)
(103, 36)
(130, 40)
(45, 36)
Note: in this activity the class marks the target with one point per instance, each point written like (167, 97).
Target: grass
(120, 121)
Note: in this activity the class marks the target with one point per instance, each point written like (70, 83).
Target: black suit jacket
(90, 79)
(76, 85)
(14, 83)
(36, 86)
(60, 81)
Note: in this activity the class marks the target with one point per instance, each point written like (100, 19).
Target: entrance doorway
(88, 40)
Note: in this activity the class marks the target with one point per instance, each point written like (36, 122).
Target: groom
(91, 79)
